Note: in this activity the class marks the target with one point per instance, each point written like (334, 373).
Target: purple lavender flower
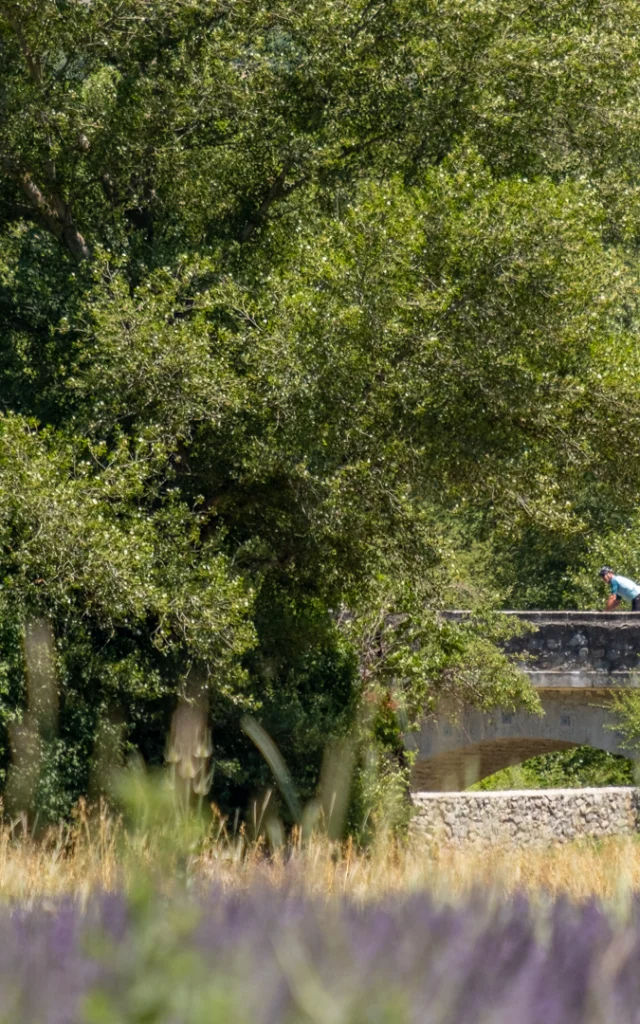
(268, 957)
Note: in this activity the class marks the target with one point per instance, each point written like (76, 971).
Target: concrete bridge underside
(459, 769)
(576, 661)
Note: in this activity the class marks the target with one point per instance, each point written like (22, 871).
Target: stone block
(578, 640)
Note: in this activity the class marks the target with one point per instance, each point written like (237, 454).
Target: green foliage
(625, 704)
(580, 766)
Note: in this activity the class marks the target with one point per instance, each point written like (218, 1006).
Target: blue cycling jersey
(623, 587)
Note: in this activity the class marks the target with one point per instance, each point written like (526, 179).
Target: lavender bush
(268, 957)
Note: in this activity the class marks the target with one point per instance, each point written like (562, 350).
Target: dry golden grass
(607, 870)
(97, 852)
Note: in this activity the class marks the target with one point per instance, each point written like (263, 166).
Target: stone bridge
(575, 661)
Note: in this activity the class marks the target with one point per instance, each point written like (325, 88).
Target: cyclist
(620, 588)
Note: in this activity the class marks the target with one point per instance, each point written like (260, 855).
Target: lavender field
(268, 956)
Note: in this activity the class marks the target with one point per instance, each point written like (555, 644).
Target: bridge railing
(574, 642)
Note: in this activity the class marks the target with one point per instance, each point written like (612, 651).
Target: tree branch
(278, 190)
(53, 213)
(33, 62)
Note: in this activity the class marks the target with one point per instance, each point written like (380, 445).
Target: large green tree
(315, 318)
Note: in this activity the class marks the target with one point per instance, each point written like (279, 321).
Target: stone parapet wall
(574, 642)
(526, 817)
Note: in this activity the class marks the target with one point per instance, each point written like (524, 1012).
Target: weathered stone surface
(526, 817)
(564, 637)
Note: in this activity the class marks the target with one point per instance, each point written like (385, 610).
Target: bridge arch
(454, 770)
(576, 660)
(453, 754)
